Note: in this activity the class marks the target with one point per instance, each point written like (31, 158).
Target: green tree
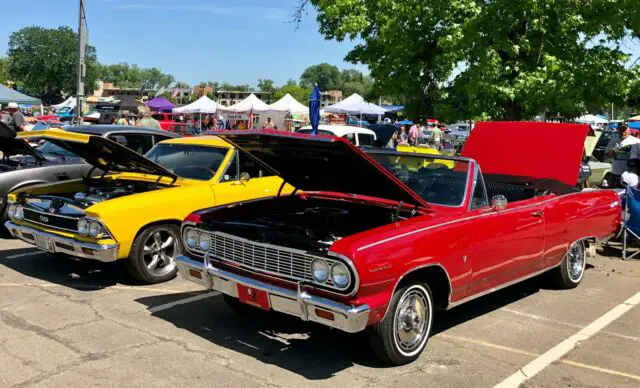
(328, 77)
(4, 62)
(489, 59)
(296, 91)
(44, 62)
(266, 85)
(131, 76)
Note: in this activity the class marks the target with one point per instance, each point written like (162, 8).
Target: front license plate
(257, 298)
(44, 243)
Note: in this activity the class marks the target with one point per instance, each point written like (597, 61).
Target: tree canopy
(298, 92)
(131, 76)
(328, 77)
(490, 59)
(44, 62)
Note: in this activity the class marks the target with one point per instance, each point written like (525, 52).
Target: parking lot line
(183, 301)
(530, 354)
(568, 324)
(558, 351)
(23, 255)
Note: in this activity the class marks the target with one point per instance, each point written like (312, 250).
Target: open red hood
(321, 163)
(528, 149)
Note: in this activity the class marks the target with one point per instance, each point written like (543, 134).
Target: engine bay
(100, 190)
(309, 224)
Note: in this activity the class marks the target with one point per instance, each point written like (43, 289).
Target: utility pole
(81, 68)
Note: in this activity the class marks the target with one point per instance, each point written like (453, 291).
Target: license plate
(253, 297)
(44, 243)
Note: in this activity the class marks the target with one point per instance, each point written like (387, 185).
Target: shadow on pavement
(310, 350)
(83, 275)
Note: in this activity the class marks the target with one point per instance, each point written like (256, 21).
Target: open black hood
(102, 153)
(321, 163)
(10, 145)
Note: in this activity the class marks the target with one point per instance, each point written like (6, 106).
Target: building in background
(108, 89)
(230, 97)
(330, 97)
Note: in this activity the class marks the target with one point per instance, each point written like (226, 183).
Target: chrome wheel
(576, 261)
(159, 252)
(412, 320)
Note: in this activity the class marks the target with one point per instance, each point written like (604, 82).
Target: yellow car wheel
(153, 254)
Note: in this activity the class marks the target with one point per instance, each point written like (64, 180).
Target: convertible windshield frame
(471, 165)
(203, 148)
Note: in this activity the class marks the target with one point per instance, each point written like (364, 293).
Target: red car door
(508, 244)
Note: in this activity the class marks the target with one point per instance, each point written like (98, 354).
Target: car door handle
(537, 213)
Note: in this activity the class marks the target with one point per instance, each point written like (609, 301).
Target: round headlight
(95, 229)
(203, 242)
(19, 212)
(11, 211)
(340, 275)
(191, 238)
(83, 227)
(319, 270)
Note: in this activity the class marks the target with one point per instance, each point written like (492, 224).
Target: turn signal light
(195, 274)
(325, 314)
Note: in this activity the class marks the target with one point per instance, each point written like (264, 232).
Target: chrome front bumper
(298, 303)
(67, 246)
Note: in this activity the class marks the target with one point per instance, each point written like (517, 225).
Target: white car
(361, 137)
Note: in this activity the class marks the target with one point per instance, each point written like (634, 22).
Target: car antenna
(397, 213)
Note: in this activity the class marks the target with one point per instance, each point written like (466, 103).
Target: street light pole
(82, 45)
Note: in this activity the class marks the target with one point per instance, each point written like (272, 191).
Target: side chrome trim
(500, 287)
(409, 272)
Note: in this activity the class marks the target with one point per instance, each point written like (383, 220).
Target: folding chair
(631, 220)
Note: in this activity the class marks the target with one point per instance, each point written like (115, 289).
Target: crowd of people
(418, 134)
(624, 151)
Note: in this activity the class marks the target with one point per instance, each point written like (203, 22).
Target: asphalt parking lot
(71, 323)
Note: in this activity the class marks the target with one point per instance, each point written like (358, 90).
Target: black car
(23, 165)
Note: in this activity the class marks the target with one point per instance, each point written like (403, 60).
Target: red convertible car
(377, 241)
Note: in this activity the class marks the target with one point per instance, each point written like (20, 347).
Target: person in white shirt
(621, 152)
(630, 177)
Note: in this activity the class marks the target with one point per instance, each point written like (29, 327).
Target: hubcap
(412, 321)
(160, 251)
(576, 261)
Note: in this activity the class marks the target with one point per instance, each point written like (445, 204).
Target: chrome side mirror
(244, 177)
(498, 202)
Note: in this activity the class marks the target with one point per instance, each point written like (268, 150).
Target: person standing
(269, 124)
(621, 151)
(147, 121)
(413, 135)
(17, 119)
(436, 137)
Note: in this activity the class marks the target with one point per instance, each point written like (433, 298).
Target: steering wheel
(455, 195)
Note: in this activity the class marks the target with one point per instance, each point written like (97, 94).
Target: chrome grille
(281, 261)
(66, 223)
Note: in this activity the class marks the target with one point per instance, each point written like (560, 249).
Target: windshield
(188, 161)
(437, 181)
(47, 148)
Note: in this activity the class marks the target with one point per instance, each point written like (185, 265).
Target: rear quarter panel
(586, 214)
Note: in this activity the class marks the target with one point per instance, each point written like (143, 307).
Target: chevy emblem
(44, 219)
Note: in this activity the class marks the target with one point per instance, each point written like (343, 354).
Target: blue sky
(237, 41)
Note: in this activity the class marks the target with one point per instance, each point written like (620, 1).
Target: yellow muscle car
(134, 208)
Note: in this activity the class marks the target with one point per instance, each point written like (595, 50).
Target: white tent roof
(289, 104)
(249, 104)
(68, 103)
(591, 119)
(355, 104)
(202, 105)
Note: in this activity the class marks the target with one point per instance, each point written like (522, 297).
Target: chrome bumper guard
(299, 303)
(67, 246)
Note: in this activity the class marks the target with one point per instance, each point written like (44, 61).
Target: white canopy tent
(250, 104)
(289, 105)
(68, 103)
(591, 119)
(202, 105)
(355, 105)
